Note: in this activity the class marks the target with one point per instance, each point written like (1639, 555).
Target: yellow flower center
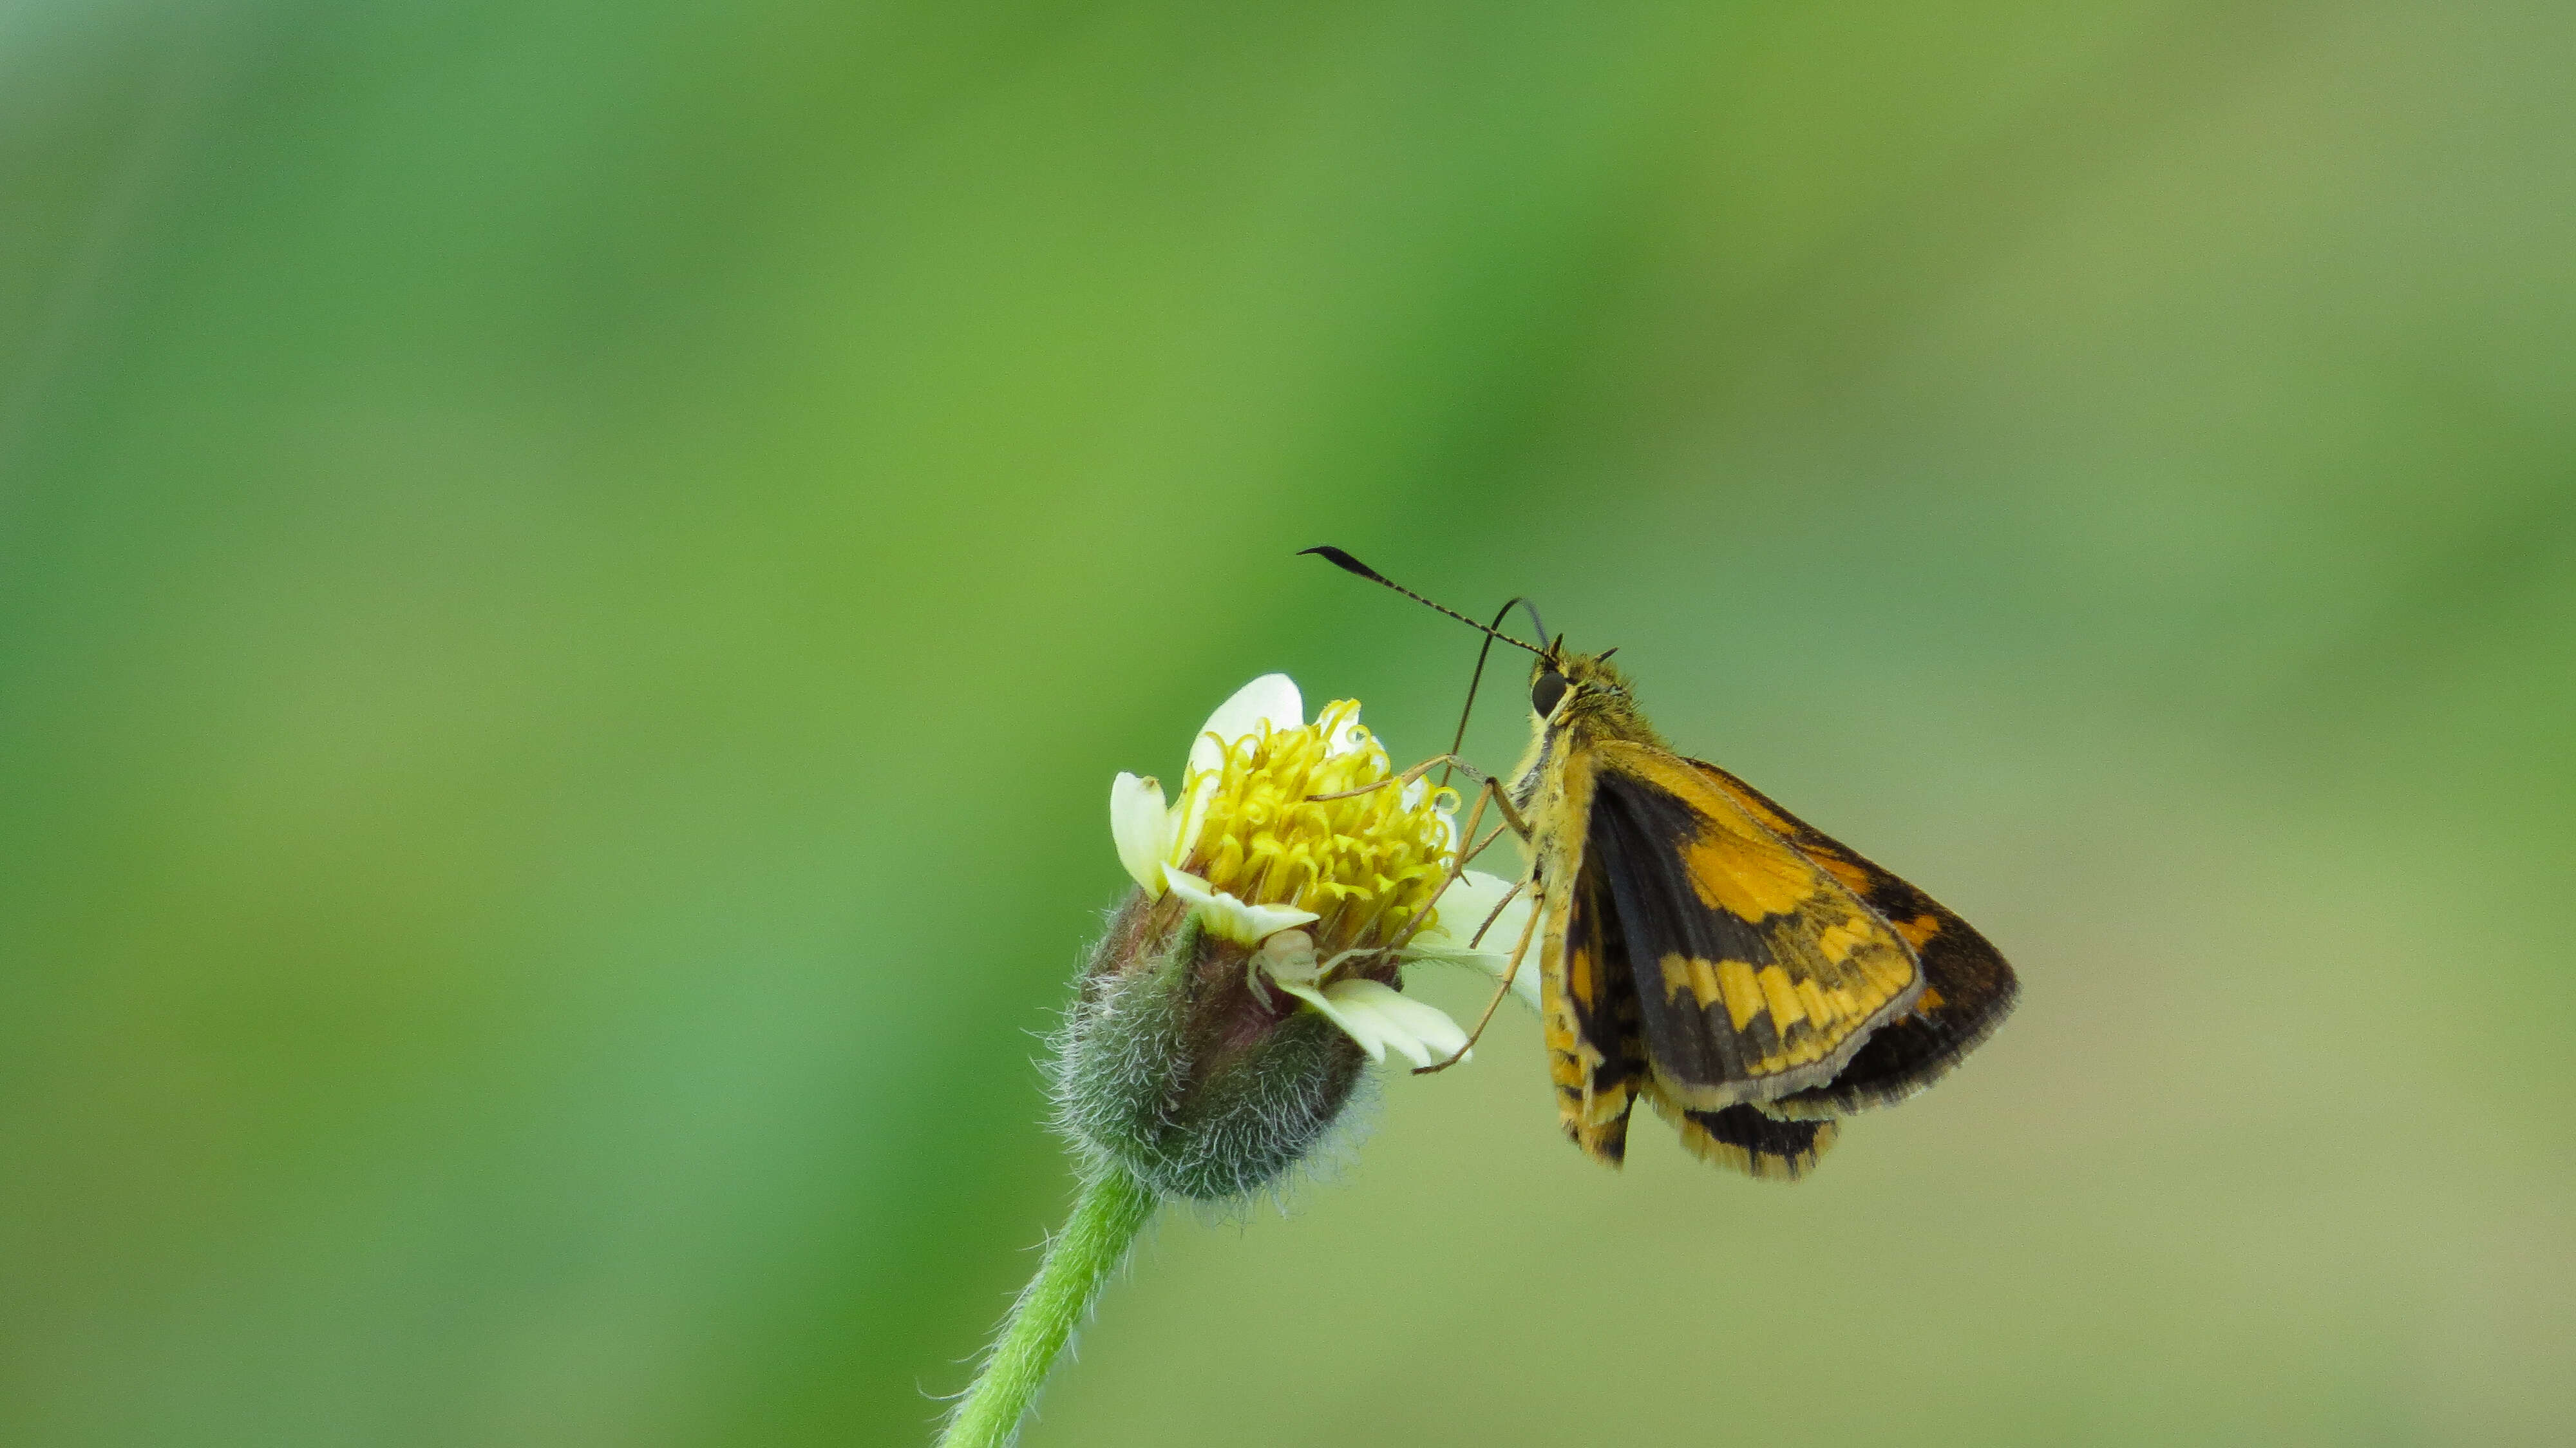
(1363, 864)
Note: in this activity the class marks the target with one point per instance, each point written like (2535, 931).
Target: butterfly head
(1584, 694)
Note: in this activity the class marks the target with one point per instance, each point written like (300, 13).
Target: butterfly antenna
(1348, 564)
(1482, 651)
(1536, 626)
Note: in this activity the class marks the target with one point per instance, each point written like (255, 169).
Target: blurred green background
(572, 580)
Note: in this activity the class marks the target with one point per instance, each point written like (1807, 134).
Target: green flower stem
(1079, 1262)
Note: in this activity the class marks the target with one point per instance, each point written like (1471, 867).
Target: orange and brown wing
(1758, 973)
(1968, 987)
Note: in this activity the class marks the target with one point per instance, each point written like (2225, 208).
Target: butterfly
(1751, 978)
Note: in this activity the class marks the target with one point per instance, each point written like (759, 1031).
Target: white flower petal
(1525, 981)
(1421, 1032)
(1271, 699)
(1360, 1025)
(1463, 907)
(1229, 917)
(1141, 828)
(1189, 817)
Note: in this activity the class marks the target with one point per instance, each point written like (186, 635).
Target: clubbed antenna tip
(1348, 564)
(1345, 562)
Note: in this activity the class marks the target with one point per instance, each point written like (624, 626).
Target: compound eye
(1546, 690)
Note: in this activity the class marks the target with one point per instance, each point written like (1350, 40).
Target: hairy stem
(1079, 1262)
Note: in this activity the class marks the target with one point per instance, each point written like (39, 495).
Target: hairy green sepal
(1174, 1068)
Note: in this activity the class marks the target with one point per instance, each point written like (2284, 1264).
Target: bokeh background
(572, 580)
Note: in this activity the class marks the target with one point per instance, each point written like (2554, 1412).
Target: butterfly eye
(1544, 693)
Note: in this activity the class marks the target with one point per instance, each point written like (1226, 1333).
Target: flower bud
(1175, 1066)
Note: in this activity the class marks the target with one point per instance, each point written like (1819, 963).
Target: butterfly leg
(1488, 788)
(1496, 913)
(1490, 792)
(1501, 990)
(1407, 777)
(1491, 788)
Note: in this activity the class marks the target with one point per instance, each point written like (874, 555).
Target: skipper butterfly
(1750, 977)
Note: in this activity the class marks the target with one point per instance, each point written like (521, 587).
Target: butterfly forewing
(1758, 972)
(1968, 988)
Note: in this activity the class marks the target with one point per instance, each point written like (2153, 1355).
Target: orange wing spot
(1562, 1066)
(1820, 1011)
(1682, 973)
(1844, 938)
(1919, 929)
(1808, 1048)
(1748, 880)
(1841, 869)
(1786, 1009)
(1930, 1000)
(1578, 976)
(1743, 995)
(1601, 1110)
(1770, 818)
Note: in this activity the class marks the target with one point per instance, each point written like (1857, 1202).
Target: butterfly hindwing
(1749, 1140)
(1757, 972)
(1596, 1048)
(1968, 988)
(1596, 1055)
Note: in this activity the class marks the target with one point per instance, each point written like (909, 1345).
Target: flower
(1331, 895)
(1225, 1018)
